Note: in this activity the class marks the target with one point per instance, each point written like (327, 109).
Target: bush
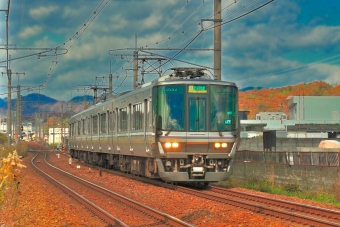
(292, 187)
(3, 138)
(20, 148)
(9, 173)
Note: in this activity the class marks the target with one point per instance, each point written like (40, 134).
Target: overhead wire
(75, 37)
(210, 27)
(293, 70)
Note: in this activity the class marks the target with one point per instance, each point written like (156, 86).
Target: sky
(62, 48)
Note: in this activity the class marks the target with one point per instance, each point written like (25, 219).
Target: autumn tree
(10, 174)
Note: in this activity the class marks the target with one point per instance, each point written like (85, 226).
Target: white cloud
(152, 21)
(31, 31)
(42, 12)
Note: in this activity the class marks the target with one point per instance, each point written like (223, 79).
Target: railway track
(295, 212)
(87, 193)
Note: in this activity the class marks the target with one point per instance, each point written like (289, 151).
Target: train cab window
(103, 124)
(168, 106)
(197, 114)
(112, 120)
(137, 117)
(95, 124)
(224, 109)
(122, 120)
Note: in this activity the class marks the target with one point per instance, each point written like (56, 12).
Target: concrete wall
(307, 177)
(282, 144)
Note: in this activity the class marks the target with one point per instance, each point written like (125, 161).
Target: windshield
(169, 107)
(214, 110)
(197, 118)
(224, 108)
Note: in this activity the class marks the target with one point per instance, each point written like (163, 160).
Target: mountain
(250, 89)
(88, 98)
(275, 99)
(35, 103)
(34, 97)
(252, 99)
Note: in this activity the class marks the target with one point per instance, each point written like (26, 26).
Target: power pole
(217, 40)
(18, 120)
(9, 83)
(62, 116)
(135, 65)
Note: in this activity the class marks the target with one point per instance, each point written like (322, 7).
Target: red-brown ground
(41, 204)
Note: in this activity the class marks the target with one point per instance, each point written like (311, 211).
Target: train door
(147, 125)
(197, 123)
(103, 130)
(123, 141)
(88, 133)
(95, 133)
(111, 138)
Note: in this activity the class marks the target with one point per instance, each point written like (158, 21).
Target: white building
(56, 135)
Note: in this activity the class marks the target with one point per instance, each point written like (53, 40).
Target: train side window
(103, 124)
(137, 117)
(95, 124)
(122, 119)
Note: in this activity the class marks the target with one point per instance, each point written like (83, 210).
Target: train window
(122, 119)
(137, 117)
(224, 109)
(112, 121)
(168, 106)
(95, 124)
(103, 124)
(197, 114)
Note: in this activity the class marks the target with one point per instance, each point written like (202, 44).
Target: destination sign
(197, 89)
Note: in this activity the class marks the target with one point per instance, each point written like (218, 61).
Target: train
(181, 128)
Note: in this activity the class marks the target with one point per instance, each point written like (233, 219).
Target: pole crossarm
(162, 49)
(39, 54)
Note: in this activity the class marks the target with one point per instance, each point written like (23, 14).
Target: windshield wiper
(172, 127)
(218, 128)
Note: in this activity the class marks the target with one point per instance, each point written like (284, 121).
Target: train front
(197, 129)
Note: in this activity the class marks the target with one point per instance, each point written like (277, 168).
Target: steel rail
(105, 216)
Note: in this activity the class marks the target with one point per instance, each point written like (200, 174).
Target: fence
(290, 158)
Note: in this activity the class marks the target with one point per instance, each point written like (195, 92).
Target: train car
(182, 127)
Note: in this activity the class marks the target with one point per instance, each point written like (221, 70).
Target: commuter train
(183, 127)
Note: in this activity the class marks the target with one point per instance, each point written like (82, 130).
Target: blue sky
(283, 43)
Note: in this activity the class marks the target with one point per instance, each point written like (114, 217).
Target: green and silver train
(183, 127)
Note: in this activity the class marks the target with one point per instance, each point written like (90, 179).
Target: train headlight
(217, 145)
(171, 145)
(175, 145)
(220, 145)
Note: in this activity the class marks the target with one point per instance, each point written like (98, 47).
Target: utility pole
(62, 116)
(135, 65)
(9, 83)
(217, 40)
(18, 119)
